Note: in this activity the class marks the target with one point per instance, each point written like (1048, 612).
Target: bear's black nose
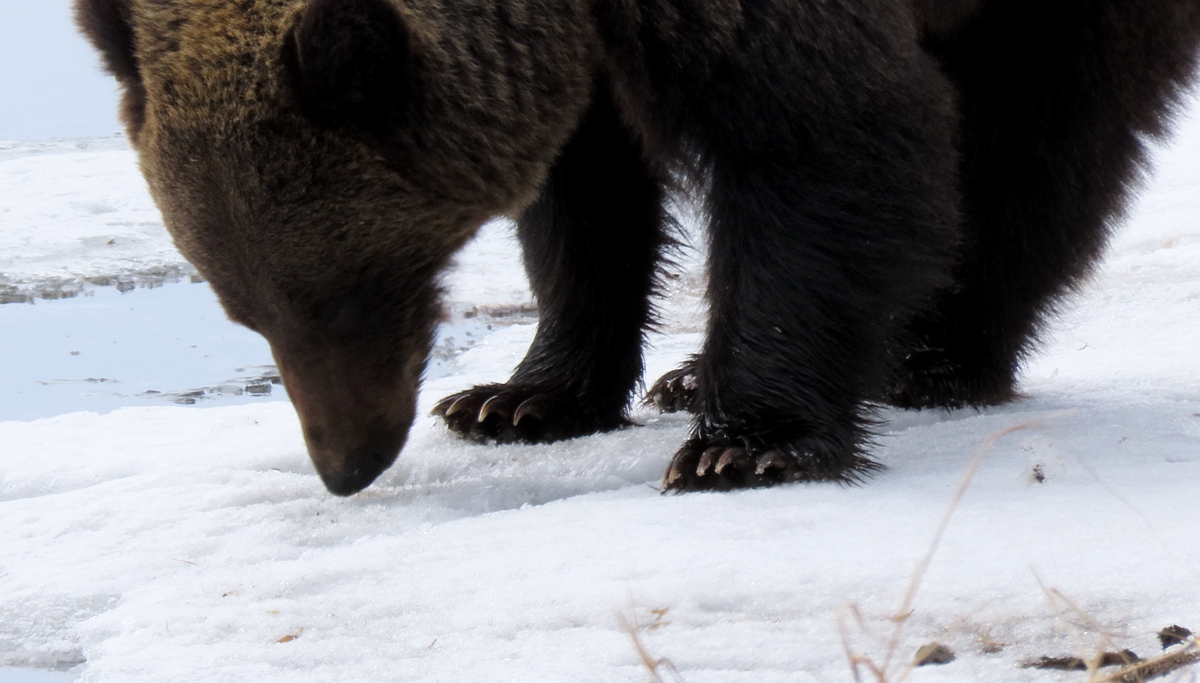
(350, 482)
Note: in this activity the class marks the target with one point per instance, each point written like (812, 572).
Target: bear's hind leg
(1057, 100)
(591, 244)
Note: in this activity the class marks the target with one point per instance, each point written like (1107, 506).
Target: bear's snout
(355, 421)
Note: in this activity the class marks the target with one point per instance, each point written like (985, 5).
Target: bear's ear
(349, 61)
(107, 24)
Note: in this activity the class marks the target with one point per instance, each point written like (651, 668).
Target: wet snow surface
(162, 542)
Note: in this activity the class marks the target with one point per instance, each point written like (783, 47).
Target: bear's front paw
(511, 414)
(674, 391)
(723, 464)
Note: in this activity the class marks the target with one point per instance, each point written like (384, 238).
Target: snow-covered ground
(162, 542)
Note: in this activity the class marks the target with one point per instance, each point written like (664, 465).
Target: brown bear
(898, 191)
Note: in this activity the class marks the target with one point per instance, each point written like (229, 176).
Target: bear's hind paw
(929, 380)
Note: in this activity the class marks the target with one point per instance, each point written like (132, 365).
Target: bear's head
(316, 172)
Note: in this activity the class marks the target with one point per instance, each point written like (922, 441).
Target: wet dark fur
(898, 196)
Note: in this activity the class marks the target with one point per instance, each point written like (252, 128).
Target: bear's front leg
(796, 341)
(591, 243)
(827, 233)
(804, 300)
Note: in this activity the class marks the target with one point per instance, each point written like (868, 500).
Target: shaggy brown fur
(316, 235)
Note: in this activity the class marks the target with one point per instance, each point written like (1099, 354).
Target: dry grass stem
(661, 669)
(1057, 600)
(883, 673)
(1133, 670)
(1153, 667)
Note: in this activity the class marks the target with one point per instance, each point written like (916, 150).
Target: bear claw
(673, 474)
(729, 457)
(459, 404)
(440, 408)
(494, 405)
(529, 407)
(770, 459)
(706, 460)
